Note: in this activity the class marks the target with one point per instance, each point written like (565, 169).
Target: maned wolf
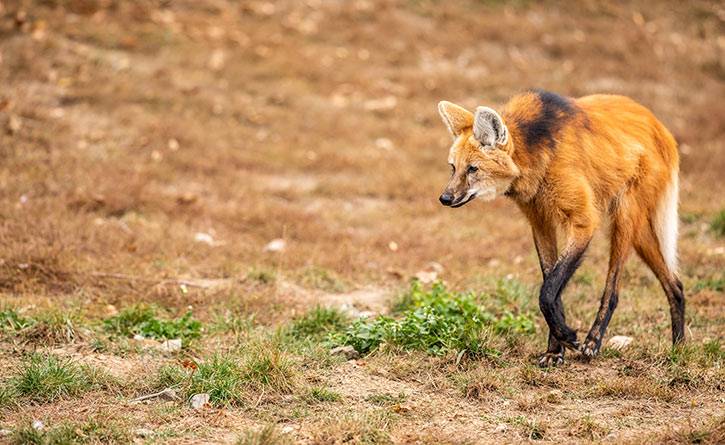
(568, 164)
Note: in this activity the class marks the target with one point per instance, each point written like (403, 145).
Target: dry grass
(149, 151)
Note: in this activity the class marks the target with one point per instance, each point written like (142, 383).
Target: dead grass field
(150, 150)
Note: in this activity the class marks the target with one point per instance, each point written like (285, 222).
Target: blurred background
(171, 139)
(262, 156)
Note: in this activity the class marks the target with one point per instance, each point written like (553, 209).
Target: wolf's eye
(453, 168)
(472, 169)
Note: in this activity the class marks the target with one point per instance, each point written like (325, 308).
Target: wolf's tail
(666, 222)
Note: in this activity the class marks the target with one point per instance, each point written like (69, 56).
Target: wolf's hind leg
(620, 248)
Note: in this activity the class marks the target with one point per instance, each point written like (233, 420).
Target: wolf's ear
(488, 128)
(456, 118)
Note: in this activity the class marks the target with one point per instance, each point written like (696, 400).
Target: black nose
(446, 199)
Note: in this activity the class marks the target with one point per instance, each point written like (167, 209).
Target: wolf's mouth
(464, 201)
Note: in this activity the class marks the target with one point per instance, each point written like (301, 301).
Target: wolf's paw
(572, 344)
(551, 359)
(591, 347)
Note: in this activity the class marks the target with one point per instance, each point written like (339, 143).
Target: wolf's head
(480, 156)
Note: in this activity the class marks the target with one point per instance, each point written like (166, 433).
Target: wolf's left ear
(488, 127)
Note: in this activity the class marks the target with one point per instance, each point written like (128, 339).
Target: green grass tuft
(718, 224)
(233, 322)
(263, 276)
(386, 399)
(54, 327)
(511, 295)
(714, 352)
(319, 394)
(93, 431)
(267, 367)
(713, 284)
(318, 322)
(27, 435)
(169, 376)
(220, 377)
(323, 279)
(230, 379)
(265, 436)
(529, 428)
(45, 378)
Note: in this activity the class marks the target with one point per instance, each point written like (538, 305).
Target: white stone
(347, 351)
(430, 273)
(144, 432)
(172, 345)
(201, 237)
(619, 342)
(384, 144)
(199, 401)
(276, 245)
(426, 277)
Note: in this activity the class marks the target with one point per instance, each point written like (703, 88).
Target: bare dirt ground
(150, 151)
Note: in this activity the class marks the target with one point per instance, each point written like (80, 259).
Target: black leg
(676, 298)
(554, 354)
(593, 343)
(550, 297)
(648, 249)
(610, 298)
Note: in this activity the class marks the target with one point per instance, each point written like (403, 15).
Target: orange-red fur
(569, 168)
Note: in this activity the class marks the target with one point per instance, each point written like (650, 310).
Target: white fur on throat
(666, 222)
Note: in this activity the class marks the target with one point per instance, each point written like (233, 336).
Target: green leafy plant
(143, 320)
(516, 324)
(12, 320)
(365, 335)
(437, 321)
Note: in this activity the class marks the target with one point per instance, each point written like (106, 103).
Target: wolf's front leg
(550, 299)
(554, 355)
